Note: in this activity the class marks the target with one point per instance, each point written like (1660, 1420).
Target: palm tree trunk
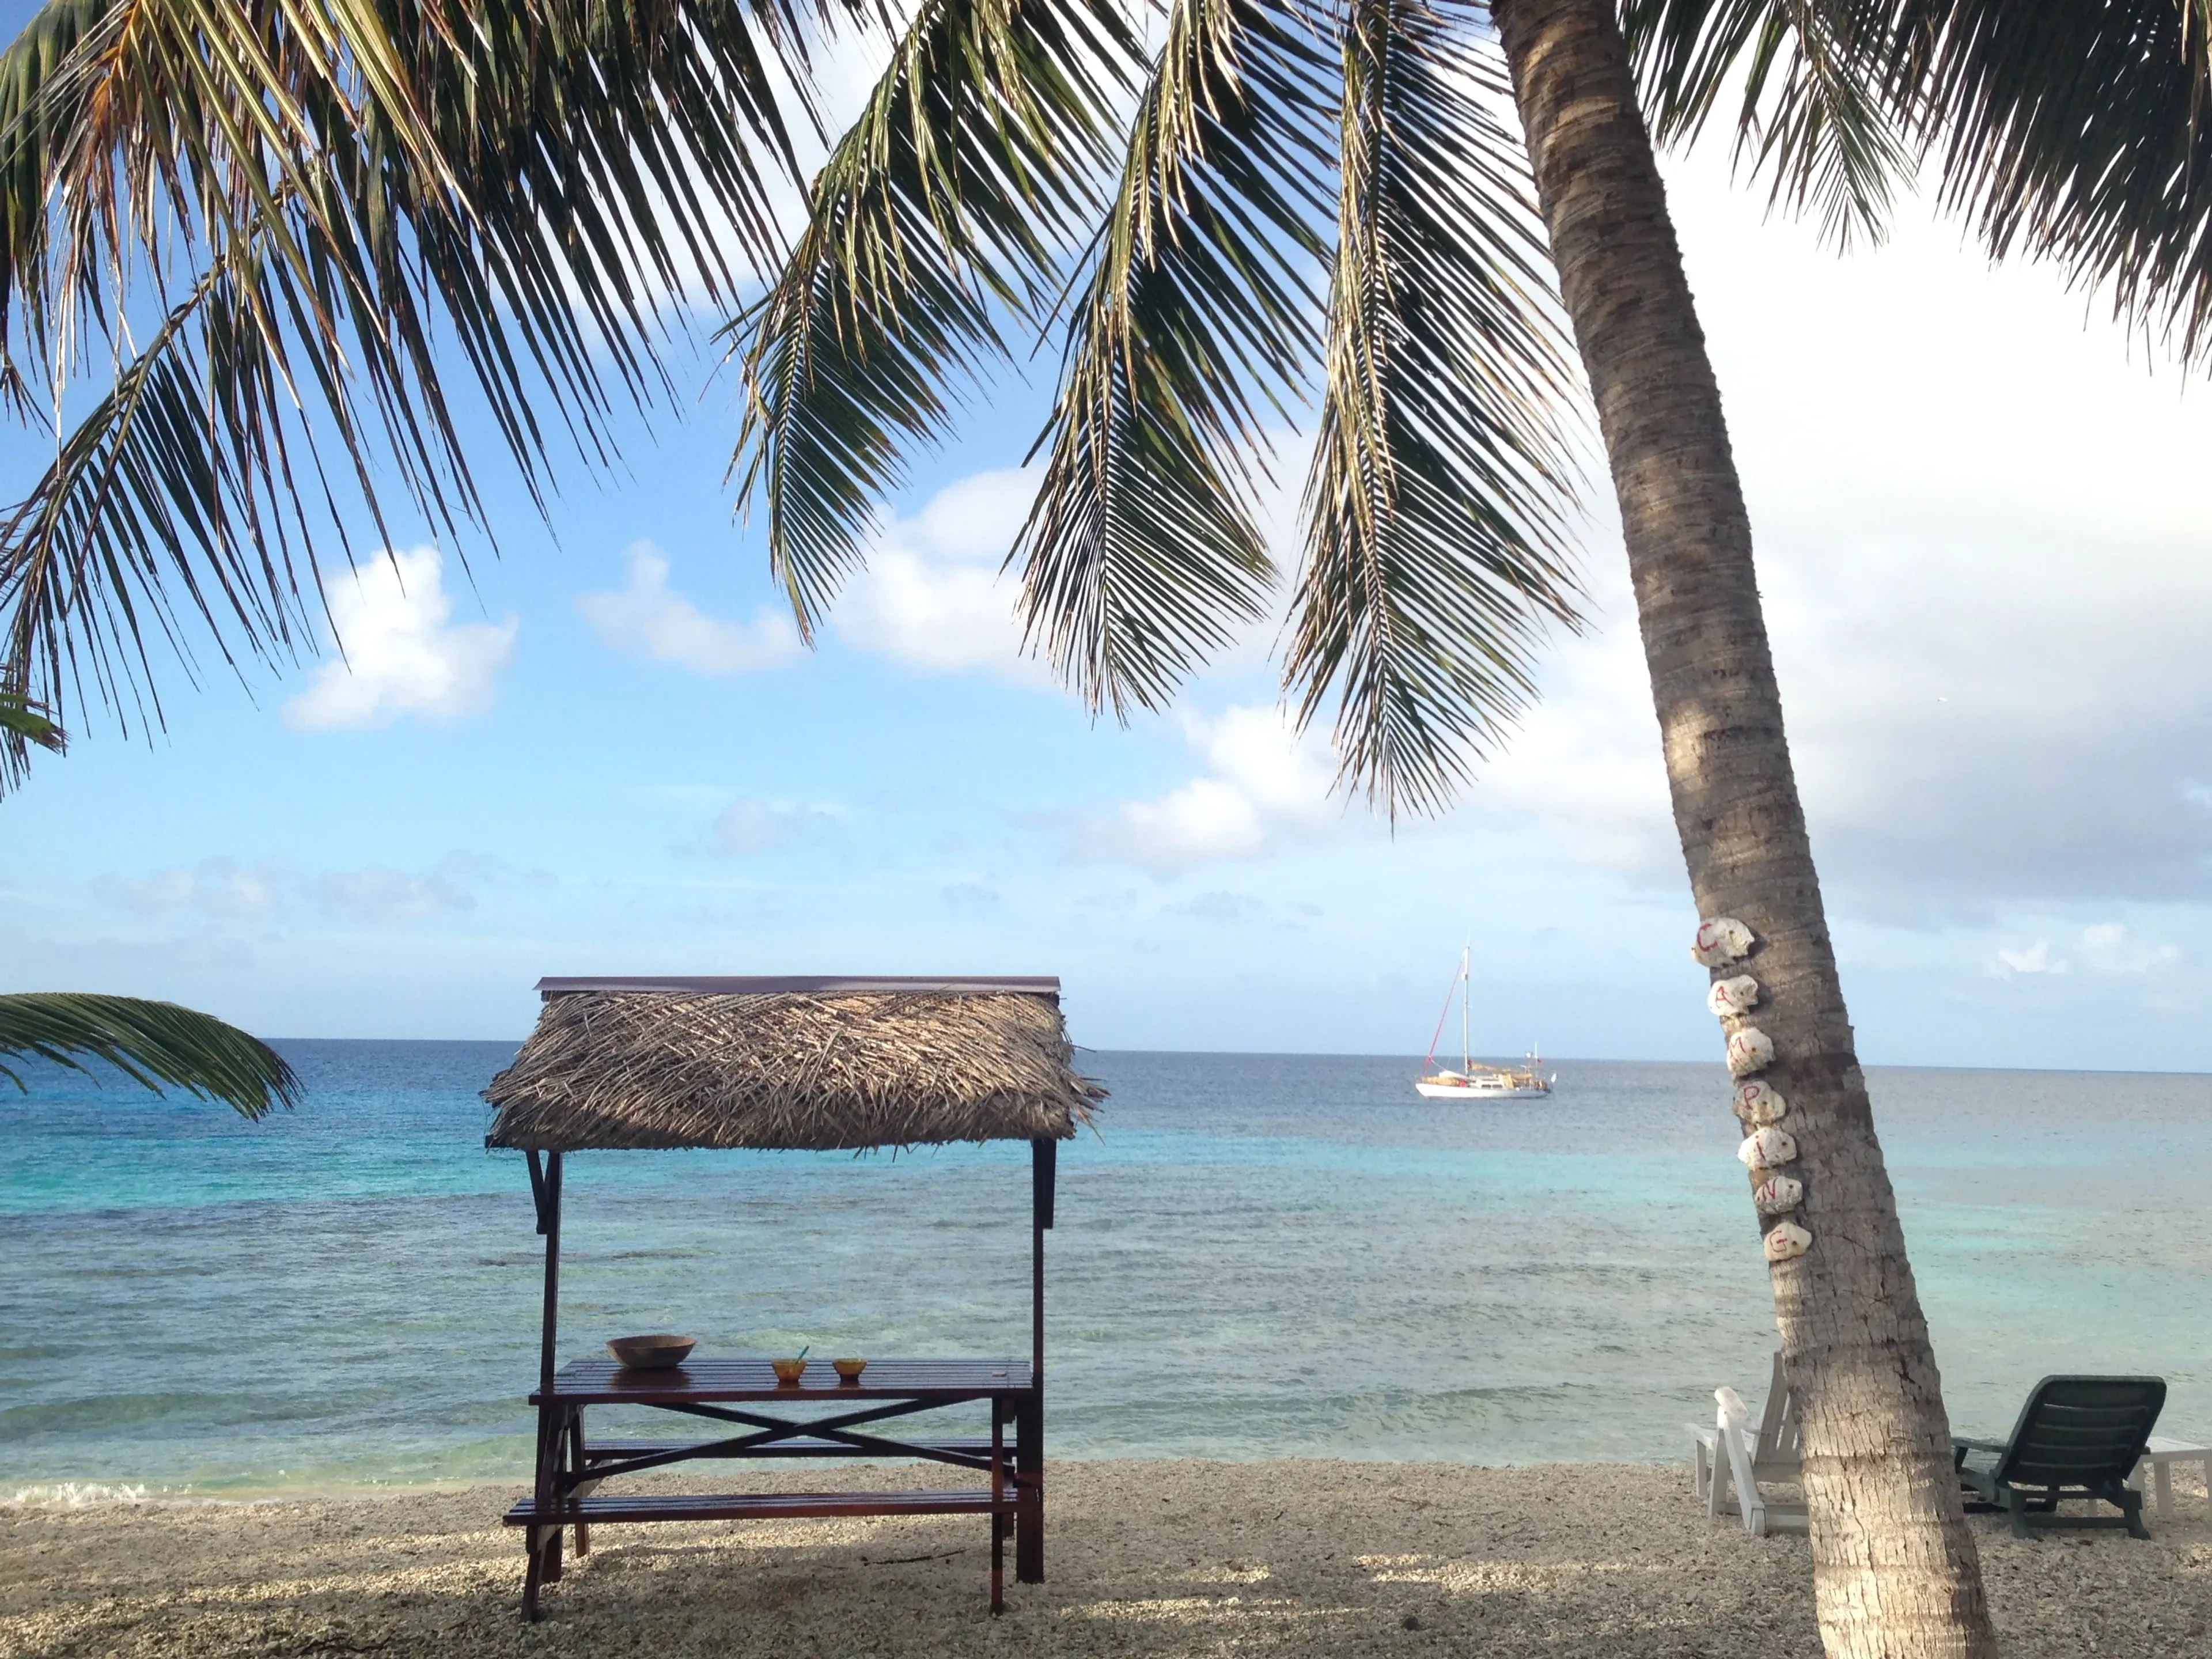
(1894, 1566)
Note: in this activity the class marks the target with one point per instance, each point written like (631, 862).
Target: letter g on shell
(1767, 1149)
(1785, 1241)
(1720, 941)
(1733, 996)
(1749, 1050)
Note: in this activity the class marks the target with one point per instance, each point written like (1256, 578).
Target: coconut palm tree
(226, 217)
(1215, 287)
(149, 1043)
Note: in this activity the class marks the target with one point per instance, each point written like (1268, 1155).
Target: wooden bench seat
(752, 1506)
(608, 1451)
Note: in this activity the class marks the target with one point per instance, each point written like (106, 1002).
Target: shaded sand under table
(1179, 1557)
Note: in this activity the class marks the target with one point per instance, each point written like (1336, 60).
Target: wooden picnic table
(838, 1419)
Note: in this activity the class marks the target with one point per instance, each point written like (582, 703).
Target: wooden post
(550, 1224)
(1029, 1431)
(544, 1543)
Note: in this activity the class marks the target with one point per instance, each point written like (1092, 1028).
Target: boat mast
(1466, 951)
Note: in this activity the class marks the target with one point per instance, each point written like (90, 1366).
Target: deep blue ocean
(1255, 1256)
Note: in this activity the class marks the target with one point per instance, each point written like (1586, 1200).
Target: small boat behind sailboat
(1473, 1082)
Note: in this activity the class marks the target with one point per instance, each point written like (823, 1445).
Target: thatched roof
(813, 1063)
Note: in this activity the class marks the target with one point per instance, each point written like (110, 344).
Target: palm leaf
(23, 723)
(1199, 315)
(1809, 83)
(2077, 133)
(250, 227)
(945, 207)
(150, 1042)
(1436, 501)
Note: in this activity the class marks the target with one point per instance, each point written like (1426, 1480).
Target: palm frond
(152, 1043)
(1197, 317)
(946, 206)
(1440, 484)
(1808, 83)
(2077, 133)
(23, 723)
(250, 229)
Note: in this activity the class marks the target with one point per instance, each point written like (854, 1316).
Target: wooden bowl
(850, 1369)
(658, 1352)
(788, 1371)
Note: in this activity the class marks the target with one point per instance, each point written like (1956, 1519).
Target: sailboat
(1471, 1081)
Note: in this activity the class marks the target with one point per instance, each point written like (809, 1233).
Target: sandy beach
(1145, 1557)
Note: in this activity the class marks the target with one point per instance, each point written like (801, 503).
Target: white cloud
(2108, 949)
(215, 887)
(748, 826)
(971, 898)
(649, 619)
(226, 889)
(1232, 909)
(1986, 598)
(403, 654)
(1263, 783)
(2034, 959)
(2105, 947)
(932, 597)
(378, 894)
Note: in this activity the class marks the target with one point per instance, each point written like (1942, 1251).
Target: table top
(2160, 1446)
(602, 1381)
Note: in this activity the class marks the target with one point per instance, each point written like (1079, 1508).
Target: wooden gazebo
(787, 1063)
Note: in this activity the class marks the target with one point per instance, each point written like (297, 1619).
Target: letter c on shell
(1720, 941)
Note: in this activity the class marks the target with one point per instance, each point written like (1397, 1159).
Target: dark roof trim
(814, 985)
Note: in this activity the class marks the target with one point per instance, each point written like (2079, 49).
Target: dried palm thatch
(677, 1066)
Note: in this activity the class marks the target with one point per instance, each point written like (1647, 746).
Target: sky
(1985, 548)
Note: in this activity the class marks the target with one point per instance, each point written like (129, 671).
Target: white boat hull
(1470, 1091)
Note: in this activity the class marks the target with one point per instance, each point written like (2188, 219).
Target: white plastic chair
(1729, 1460)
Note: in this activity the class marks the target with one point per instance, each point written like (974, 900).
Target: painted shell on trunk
(1733, 996)
(1758, 1103)
(1767, 1149)
(1749, 1050)
(1720, 941)
(1778, 1194)
(1785, 1241)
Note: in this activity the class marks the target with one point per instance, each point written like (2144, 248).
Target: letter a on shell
(1785, 1241)
(1758, 1103)
(1778, 1194)
(1720, 941)
(1733, 996)
(1767, 1149)
(1749, 1050)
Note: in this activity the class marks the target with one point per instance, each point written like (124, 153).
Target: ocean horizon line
(1717, 1063)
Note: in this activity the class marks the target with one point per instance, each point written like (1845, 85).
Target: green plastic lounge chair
(2077, 1437)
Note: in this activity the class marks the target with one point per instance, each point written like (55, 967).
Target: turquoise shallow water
(1257, 1255)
